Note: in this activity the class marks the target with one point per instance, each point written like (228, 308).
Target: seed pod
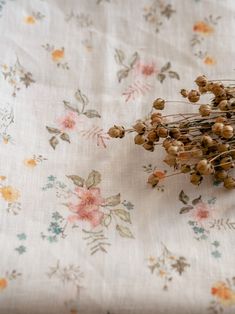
(193, 95)
(220, 175)
(139, 139)
(201, 81)
(206, 141)
(162, 132)
(152, 136)
(196, 153)
(175, 133)
(229, 183)
(227, 132)
(205, 110)
(153, 180)
(195, 178)
(218, 89)
(159, 104)
(156, 121)
(203, 89)
(167, 143)
(139, 127)
(149, 146)
(173, 150)
(223, 148)
(184, 93)
(226, 163)
(217, 128)
(221, 119)
(223, 105)
(170, 160)
(185, 168)
(116, 131)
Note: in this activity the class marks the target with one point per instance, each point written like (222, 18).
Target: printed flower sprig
(201, 143)
(69, 121)
(89, 210)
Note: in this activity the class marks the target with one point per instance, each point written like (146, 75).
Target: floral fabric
(81, 232)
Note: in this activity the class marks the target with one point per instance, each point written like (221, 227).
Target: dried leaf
(123, 214)
(121, 74)
(53, 130)
(134, 58)
(183, 197)
(174, 75)
(65, 137)
(124, 232)
(119, 56)
(113, 200)
(92, 114)
(197, 200)
(54, 142)
(81, 97)
(93, 179)
(166, 67)
(161, 77)
(106, 220)
(186, 209)
(69, 107)
(76, 180)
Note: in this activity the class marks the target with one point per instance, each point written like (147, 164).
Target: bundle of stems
(200, 143)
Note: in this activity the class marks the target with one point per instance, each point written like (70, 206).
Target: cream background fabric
(151, 244)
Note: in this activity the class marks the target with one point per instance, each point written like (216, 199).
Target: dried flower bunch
(201, 143)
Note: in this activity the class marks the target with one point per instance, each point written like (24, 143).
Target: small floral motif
(126, 65)
(81, 19)
(201, 30)
(90, 210)
(9, 195)
(202, 214)
(67, 275)
(7, 278)
(165, 265)
(57, 55)
(21, 249)
(224, 296)
(34, 17)
(33, 161)
(6, 120)
(71, 120)
(17, 76)
(156, 12)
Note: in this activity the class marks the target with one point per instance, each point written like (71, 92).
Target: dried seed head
(162, 132)
(223, 105)
(149, 146)
(223, 147)
(195, 178)
(170, 160)
(218, 89)
(226, 163)
(175, 133)
(185, 168)
(221, 119)
(153, 180)
(205, 110)
(207, 141)
(201, 81)
(159, 104)
(229, 183)
(220, 175)
(184, 93)
(116, 131)
(139, 127)
(139, 139)
(152, 136)
(217, 128)
(227, 132)
(193, 95)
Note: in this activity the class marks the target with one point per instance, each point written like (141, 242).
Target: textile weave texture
(81, 232)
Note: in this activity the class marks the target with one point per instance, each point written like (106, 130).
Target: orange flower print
(202, 212)
(203, 28)
(224, 294)
(145, 68)
(209, 60)
(3, 284)
(31, 163)
(57, 54)
(30, 20)
(9, 194)
(159, 174)
(33, 18)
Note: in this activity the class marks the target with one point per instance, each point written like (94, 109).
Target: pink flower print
(202, 212)
(88, 208)
(69, 121)
(145, 69)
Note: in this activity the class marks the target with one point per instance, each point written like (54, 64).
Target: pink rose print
(202, 212)
(145, 69)
(69, 121)
(88, 207)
